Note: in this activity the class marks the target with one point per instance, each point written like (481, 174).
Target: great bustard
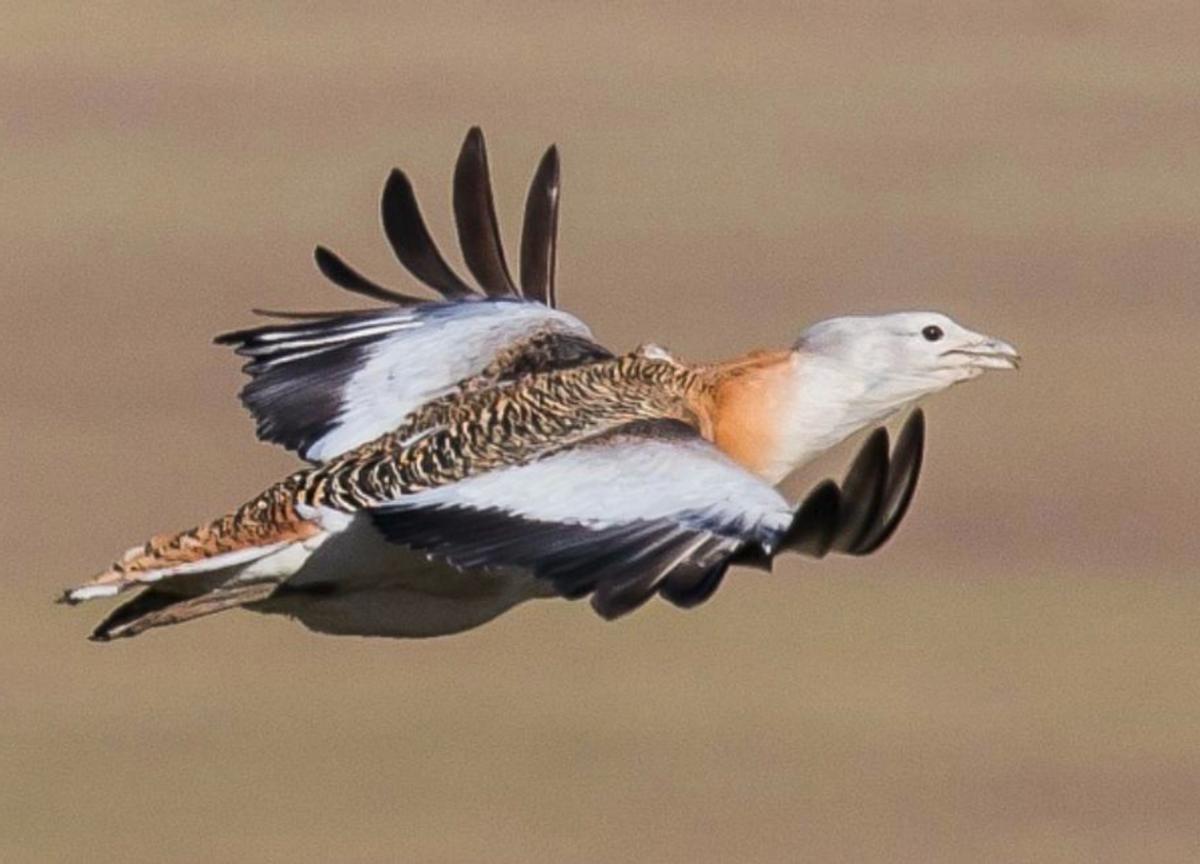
(470, 453)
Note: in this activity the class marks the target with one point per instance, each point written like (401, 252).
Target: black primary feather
(690, 585)
(863, 513)
(410, 240)
(903, 472)
(343, 275)
(862, 492)
(539, 234)
(475, 218)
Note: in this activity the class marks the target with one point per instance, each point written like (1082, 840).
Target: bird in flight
(469, 453)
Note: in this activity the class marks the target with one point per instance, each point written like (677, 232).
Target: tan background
(1015, 678)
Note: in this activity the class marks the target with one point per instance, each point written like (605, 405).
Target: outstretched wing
(650, 508)
(332, 381)
(612, 517)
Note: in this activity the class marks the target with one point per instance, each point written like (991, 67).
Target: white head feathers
(907, 354)
(855, 371)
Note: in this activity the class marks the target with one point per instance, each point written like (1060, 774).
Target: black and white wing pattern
(613, 517)
(651, 508)
(330, 381)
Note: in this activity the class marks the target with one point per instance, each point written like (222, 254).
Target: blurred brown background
(1013, 679)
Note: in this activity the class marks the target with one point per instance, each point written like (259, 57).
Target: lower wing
(651, 509)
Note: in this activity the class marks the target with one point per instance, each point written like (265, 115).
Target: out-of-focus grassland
(1012, 679)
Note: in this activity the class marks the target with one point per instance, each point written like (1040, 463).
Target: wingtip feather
(475, 218)
(404, 227)
(539, 234)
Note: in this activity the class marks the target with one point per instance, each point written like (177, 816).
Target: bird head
(907, 355)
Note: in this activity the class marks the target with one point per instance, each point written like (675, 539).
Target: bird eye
(933, 333)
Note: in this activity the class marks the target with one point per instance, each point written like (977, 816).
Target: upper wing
(653, 508)
(326, 387)
(336, 380)
(648, 506)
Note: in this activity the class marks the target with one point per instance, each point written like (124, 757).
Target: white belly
(355, 582)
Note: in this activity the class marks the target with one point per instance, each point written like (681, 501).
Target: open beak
(989, 353)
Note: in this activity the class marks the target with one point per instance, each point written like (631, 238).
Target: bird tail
(156, 607)
(215, 566)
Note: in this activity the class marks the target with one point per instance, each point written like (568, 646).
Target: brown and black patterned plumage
(483, 429)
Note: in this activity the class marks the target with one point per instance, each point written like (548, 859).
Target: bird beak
(988, 353)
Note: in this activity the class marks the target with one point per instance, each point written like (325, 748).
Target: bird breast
(774, 412)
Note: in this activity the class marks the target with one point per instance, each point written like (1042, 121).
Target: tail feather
(157, 608)
(122, 576)
(150, 600)
(258, 528)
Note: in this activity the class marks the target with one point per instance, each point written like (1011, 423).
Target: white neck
(833, 401)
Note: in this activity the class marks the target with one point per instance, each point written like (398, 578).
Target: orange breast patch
(749, 404)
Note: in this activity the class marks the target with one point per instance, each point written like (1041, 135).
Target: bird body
(472, 454)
